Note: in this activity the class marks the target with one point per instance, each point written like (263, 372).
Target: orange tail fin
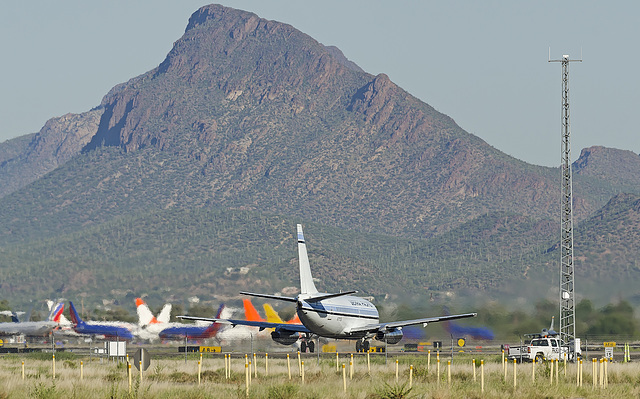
(250, 312)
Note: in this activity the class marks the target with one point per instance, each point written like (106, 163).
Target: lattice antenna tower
(567, 280)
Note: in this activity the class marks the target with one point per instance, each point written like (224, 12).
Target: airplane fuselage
(335, 317)
(106, 331)
(30, 328)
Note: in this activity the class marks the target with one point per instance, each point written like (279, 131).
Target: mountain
(250, 115)
(25, 159)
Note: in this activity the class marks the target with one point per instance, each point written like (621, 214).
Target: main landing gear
(362, 345)
(310, 345)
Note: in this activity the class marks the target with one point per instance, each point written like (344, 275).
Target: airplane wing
(399, 324)
(260, 324)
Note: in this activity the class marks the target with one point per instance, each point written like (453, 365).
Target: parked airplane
(146, 318)
(337, 315)
(99, 329)
(33, 328)
(192, 332)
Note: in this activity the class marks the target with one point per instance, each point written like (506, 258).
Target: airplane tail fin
(220, 309)
(272, 315)
(250, 312)
(306, 280)
(553, 318)
(56, 312)
(75, 317)
(165, 314)
(145, 317)
(213, 329)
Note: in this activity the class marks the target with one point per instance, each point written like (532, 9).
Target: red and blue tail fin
(56, 312)
(213, 329)
(220, 309)
(75, 318)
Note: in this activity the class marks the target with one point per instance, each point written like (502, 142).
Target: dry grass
(170, 378)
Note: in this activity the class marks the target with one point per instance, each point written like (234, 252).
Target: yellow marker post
(557, 368)
(606, 372)
(473, 364)
(81, 370)
(54, 366)
(289, 366)
(337, 363)
(23, 369)
(504, 368)
(129, 371)
(199, 370)
(255, 366)
(140, 365)
(302, 371)
(551, 374)
(533, 370)
(482, 375)
(580, 368)
(266, 364)
(246, 378)
(515, 373)
(299, 365)
(449, 372)
(601, 372)
(351, 368)
(410, 376)
(396, 370)
(565, 364)
(428, 360)
(438, 368)
(368, 364)
(594, 372)
(249, 372)
(344, 377)
(504, 365)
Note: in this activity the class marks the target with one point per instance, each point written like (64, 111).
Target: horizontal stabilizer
(320, 297)
(278, 297)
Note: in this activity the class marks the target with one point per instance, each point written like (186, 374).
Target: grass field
(173, 378)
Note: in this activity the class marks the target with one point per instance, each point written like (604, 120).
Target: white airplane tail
(306, 280)
(165, 313)
(145, 317)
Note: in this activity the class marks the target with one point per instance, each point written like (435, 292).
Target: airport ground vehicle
(545, 346)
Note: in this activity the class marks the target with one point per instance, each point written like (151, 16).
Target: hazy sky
(484, 63)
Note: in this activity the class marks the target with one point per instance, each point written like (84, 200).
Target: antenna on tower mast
(567, 292)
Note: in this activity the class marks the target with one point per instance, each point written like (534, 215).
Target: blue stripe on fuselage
(341, 310)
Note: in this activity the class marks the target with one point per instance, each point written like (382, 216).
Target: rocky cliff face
(610, 164)
(58, 141)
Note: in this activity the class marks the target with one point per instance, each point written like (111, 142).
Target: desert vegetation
(417, 377)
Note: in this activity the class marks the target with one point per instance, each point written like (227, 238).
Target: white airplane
(34, 328)
(339, 315)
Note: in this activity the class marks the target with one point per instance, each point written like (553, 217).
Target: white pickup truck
(544, 348)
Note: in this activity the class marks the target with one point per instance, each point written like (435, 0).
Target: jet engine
(391, 337)
(285, 337)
